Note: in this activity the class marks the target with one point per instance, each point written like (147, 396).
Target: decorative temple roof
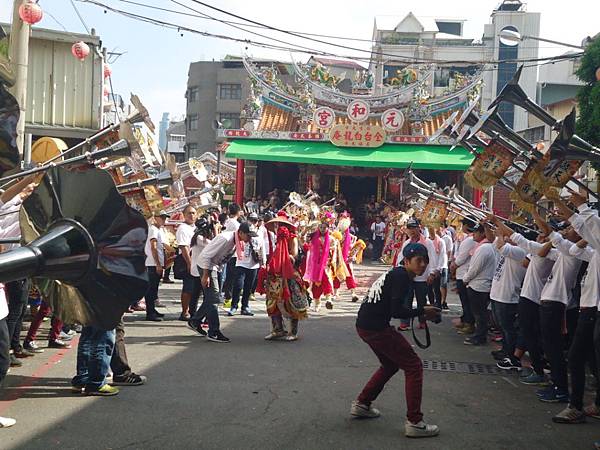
(276, 110)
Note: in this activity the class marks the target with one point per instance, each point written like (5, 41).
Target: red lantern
(80, 50)
(107, 71)
(30, 12)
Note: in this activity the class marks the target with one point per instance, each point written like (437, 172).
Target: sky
(155, 60)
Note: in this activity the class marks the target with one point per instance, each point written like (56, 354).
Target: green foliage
(588, 96)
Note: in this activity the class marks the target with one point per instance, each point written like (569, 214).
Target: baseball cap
(253, 216)
(247, 229)
(479, 228)
(412, 223)
(415, 250)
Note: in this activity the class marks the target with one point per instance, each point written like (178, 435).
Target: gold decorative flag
(434, 214)
(489, 166)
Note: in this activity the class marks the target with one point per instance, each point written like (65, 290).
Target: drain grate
(462, 367)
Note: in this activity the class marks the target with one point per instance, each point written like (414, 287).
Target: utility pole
(19, 56)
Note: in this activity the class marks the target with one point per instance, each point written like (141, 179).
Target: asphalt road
(252, 394)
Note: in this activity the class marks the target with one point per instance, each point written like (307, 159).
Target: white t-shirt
(562, 279)
(231, 224)
(184, 234)
(442, 256)
(378, 229)
(247, 260)
(481, 268)
(431, 267)
(463, 257)
(449, 245)
(509, 275)
(538, 270)
(590, 284)
(154, 233)
(3, 303)
(196, 250)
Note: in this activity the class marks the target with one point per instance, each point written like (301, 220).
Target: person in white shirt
(184, 234)
(421, 283)
(441, 262)
(460, 265)
(505, 293)
(479, 282)
(5, 422)
(231, 224)
(155, 261)
(537, 272)
(555, 297)
(246, 269)
(378, 230)
(586, 341)
(447, 237)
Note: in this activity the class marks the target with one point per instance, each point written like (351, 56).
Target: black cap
(415, 250)
(412, 223)
(247, 229)
(479, 227)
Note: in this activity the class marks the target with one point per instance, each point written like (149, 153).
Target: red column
(239, 182)
(477, 196)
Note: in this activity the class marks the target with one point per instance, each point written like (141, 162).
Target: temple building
(314, 136)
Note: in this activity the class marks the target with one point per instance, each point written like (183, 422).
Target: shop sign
(306, 136)
(358, 111)
(409, 139)
(324, 117)
(392, 119)
(357, 135)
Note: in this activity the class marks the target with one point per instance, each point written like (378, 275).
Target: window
(230, 91)
(192, 149)
(193, 122)
(534, 135)
(230, 120)
(193, 94)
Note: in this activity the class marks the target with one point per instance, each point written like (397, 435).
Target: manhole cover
(462, 367)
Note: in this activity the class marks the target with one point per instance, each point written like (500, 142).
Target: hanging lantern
(107, 71)
(30, 13)
(598, 74)
(80, 50)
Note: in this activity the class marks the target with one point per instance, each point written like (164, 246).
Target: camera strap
(416, 339)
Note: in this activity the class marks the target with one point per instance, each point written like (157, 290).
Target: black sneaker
(133, 379)
(14, 362)
(499, 355)
(218, 337)
(247, 312)
(509, 364)
(153, 318)
(197, 328)
(473, 341)
(58, 343)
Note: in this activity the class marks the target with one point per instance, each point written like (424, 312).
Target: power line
(306, 50)
(80, 17)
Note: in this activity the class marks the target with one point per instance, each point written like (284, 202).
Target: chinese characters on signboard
(357, 135)
(324, 117)
(358, 111)
(392, 120)
(488, 167)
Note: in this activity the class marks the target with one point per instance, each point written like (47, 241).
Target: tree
(588, 95)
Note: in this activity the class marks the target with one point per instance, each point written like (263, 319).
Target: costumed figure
(286, 294)
(317, 261)
(347, 241)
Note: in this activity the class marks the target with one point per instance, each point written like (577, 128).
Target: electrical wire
(80, 17)
(424, 60)
(296, 48)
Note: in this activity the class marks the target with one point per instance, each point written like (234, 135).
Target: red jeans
(37, 321)
(394, 353)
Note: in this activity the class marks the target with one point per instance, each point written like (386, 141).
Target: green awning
(435, 157)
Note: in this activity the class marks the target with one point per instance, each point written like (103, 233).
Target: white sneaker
(361, 410)
(420, 430)
(6, 422)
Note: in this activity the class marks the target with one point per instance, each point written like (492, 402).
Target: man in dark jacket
(385, 301)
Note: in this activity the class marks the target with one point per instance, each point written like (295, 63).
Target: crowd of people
(534, 291)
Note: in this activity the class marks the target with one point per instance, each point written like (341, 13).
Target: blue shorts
(444, 278)
(189, 283)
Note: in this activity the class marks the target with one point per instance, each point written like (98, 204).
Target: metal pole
(19, 56)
